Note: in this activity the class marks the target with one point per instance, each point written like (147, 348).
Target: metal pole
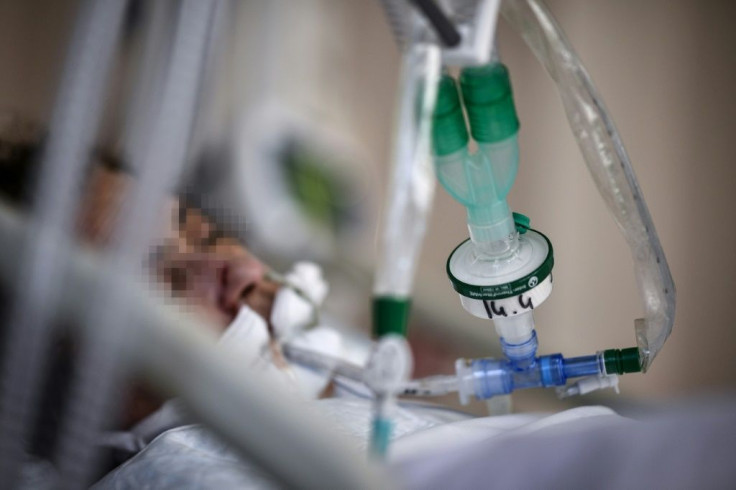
(159, 159)
(72, 130)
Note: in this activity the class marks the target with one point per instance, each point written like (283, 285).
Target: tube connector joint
(622, 361)
(523, 354)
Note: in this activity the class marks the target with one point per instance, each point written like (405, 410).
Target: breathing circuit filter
(504, 288)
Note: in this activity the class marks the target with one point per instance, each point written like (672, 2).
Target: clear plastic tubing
(411, 190)
(609, 165)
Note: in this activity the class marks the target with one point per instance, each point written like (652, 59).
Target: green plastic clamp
(390, 315)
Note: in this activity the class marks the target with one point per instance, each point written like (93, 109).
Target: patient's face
(218, 283)
(214, 275)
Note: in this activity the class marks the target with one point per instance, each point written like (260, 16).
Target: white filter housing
(507, 287)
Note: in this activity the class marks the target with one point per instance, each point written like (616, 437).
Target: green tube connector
(480, 181)
(622, 361)
(489, 102)
(449, 133)
(390, 315)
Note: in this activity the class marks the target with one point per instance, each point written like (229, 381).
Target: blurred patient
(196, 261)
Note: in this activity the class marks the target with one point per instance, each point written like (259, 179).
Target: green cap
(489, 102)
(621, 361)
(449, 133)
(390, 315)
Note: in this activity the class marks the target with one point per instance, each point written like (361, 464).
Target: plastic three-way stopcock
(485, 378)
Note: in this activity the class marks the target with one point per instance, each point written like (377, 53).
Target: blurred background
(312, 84)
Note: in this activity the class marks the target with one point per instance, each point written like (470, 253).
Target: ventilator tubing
(480, 181)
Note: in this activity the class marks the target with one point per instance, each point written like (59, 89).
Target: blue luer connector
(576, 367)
